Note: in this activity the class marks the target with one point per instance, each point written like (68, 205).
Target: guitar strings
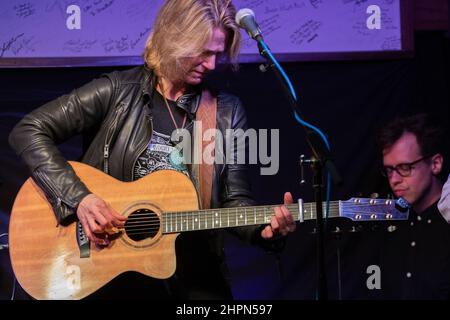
(150, 222)
(200, 217)
(254, 210)
(191, 215)
(361, 209)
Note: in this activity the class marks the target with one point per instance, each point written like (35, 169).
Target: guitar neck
(175, 222)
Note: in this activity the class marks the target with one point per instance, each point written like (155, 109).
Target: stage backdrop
(346, 100)
(113, 32)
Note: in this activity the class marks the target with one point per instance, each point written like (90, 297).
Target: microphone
(245, 18)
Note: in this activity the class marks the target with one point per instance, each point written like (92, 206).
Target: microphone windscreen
(243, 13)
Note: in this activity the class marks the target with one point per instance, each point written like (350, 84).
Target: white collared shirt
(444, 202)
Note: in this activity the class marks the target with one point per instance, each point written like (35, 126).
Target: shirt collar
(427, 213)
(188, 102)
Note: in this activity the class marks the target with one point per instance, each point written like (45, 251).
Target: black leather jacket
(116, 108)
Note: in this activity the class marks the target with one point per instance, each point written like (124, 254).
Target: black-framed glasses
(403, 169)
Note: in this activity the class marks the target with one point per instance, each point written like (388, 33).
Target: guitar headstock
(366, 209)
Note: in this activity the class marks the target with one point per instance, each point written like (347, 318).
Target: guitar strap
(205, 119)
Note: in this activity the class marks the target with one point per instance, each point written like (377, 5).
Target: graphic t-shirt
(161, 153)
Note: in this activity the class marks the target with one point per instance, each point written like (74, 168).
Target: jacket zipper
(150, 119)
(51, 190)
(108, 138)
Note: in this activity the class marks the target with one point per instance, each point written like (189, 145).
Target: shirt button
(408, 274)
(413, 244)
(412, 223)
(429, 221)
(391, 228)
(419, 218)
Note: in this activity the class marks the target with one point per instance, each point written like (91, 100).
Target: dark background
(348, 100)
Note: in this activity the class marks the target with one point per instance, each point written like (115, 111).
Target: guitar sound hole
(142, 224)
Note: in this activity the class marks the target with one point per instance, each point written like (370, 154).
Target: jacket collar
(188, 102)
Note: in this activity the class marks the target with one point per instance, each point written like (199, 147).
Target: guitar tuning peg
(374, 195)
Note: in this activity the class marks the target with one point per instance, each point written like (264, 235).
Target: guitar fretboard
(174, 222)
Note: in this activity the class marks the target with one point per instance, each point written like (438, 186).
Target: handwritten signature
(8, 45)
(24, 10)
(125, 43)
(98, 6)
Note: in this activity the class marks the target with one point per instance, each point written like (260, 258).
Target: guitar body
(49, 264)
(46, 257)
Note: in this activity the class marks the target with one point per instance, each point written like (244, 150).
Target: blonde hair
(181, 30)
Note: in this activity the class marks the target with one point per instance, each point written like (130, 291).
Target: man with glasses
(416, 256)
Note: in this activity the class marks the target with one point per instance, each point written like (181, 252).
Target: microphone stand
(321, 158)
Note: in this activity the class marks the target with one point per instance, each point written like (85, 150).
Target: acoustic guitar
(53, 261)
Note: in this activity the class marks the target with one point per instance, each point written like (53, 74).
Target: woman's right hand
(96, 217)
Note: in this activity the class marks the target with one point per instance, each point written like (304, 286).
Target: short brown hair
(429, 131)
